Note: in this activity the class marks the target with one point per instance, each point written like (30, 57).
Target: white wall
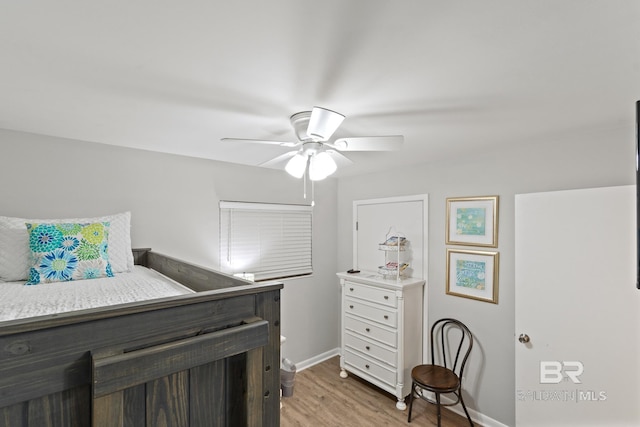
(594, 159)
(174, 205)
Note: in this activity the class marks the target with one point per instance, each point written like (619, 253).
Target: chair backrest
(454, 342)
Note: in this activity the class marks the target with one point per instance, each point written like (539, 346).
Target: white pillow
(15, 254)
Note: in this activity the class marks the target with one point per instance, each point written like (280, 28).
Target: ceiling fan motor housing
(300, 123)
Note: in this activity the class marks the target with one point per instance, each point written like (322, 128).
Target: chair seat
(435, 378)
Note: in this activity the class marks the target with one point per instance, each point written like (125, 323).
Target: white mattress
(18, 301)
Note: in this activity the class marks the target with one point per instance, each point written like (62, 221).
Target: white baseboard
(301, 366)
(476, 416)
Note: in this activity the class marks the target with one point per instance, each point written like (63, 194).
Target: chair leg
(465, 408)
(410, 402)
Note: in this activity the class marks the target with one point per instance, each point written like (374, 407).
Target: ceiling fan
(313, 152)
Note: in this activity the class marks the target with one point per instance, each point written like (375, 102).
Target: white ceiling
(452, 76)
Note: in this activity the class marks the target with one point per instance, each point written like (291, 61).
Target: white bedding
(18, 301)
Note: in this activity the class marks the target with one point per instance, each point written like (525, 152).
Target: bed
(206, 354)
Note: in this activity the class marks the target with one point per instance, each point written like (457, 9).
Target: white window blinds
(269, 240)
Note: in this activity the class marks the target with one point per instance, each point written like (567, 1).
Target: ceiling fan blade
(369, 143)
(280, 161)
(340, 159)
(261, 141)
(323, 123)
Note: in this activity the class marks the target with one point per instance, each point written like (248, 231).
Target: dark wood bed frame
(211, 358)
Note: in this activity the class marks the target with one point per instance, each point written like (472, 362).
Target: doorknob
(524, 338)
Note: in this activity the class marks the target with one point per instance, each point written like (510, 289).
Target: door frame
(424, 198)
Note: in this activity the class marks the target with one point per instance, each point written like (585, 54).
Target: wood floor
(322, 398)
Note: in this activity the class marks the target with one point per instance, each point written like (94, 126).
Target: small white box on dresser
(381, 330)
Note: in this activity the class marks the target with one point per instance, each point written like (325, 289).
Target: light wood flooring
(322, 398)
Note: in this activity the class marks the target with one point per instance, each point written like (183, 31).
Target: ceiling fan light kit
(296, 166)
(321, 165)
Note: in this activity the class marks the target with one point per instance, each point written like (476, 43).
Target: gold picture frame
(473, 274)
(472, 221)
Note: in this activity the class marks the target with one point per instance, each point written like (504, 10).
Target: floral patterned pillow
(68, 251)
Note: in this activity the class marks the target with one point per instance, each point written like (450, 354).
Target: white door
(577, 303)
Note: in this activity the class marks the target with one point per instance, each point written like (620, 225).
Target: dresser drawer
(377, 351)
(373, 312)
(370, 367)
(371, 330)
(378, 295)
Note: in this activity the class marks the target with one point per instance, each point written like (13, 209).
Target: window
(270, 241)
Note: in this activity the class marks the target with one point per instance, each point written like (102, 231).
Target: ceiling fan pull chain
(313, 194)
(304, 185)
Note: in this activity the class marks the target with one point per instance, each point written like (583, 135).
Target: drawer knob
(368, 348)
(366, 366)
(386, 297)
(351, 289)
(368, 330)
(351, 306)
(386, 317)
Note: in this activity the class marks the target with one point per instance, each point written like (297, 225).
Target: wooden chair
(449, 335)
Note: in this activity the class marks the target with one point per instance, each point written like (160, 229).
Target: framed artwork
(473, 274)
(472, 221)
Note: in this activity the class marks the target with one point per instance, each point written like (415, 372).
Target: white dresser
(381, 330)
